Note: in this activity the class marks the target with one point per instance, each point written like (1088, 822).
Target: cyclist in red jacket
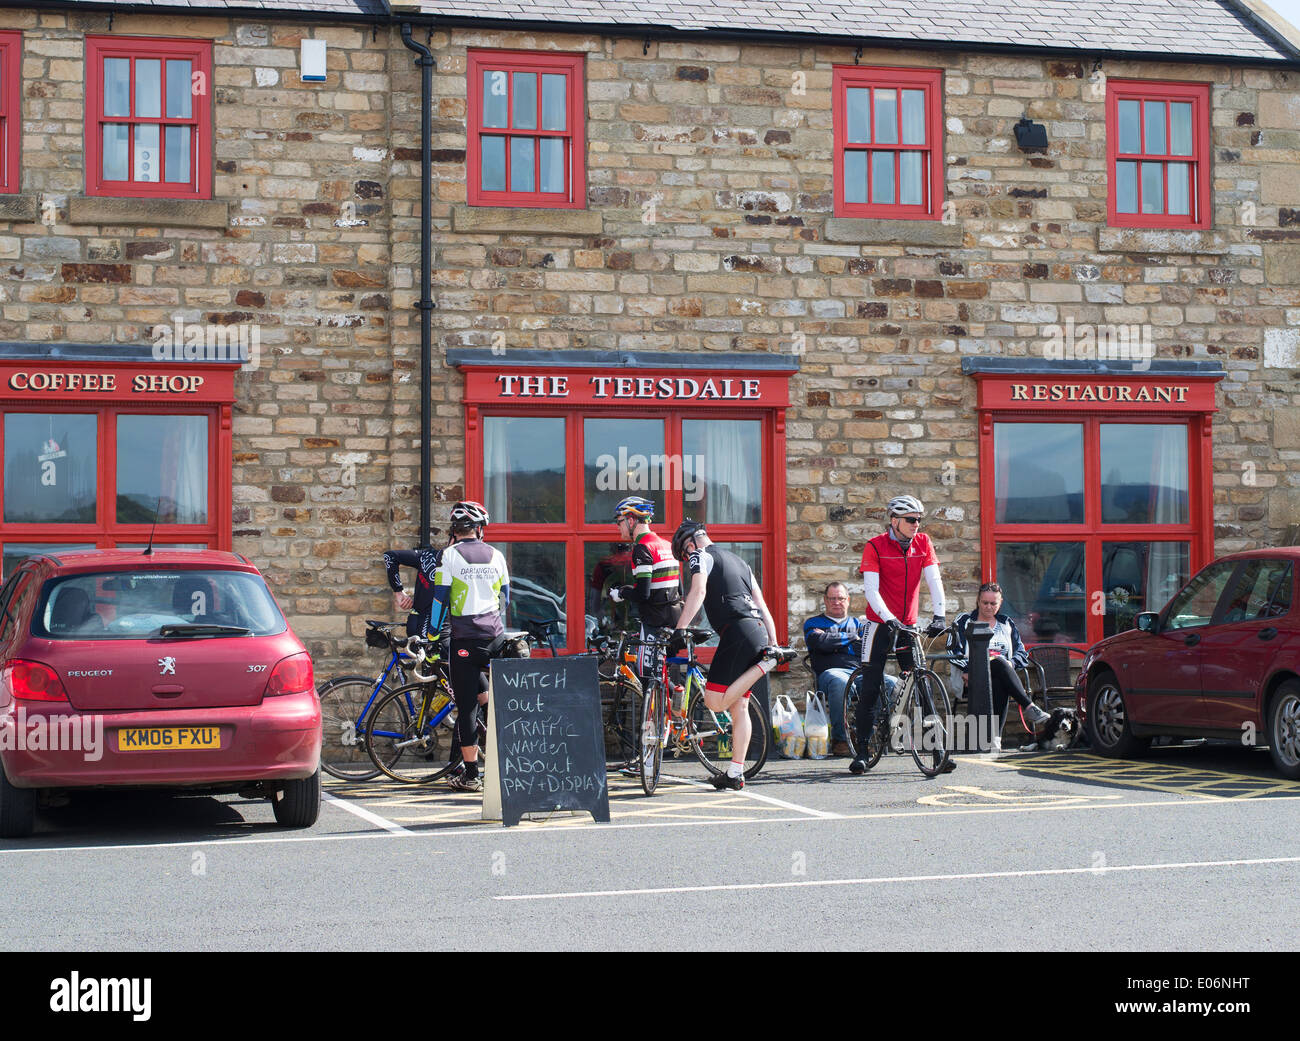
(893, 564)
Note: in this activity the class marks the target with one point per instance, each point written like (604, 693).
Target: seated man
(834, 642)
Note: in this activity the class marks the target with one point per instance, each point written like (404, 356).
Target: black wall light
(1031, 136)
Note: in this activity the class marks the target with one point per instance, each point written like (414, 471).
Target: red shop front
(1096, 491)
(101, 449)
(551, 448)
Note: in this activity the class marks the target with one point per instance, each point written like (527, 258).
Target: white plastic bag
(790, 738)
(816, 727)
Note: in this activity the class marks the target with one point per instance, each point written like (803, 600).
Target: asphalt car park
(1079, 850)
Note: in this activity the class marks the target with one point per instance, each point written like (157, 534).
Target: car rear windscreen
(137, 604)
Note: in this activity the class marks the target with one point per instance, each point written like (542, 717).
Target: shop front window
(623, 457)
(1091, 523)
(162, 469)
(722, 479)
(50, 468)
(524, 469)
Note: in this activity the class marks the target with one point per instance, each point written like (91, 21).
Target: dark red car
(174, 669)
(1222, 659)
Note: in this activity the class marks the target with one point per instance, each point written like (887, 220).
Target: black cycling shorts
(740, 647)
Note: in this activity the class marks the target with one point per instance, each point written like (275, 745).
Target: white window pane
(179, 78)
(525, 111)
(523, 165)
(495, 98)
(1130, 124)
(116, 164)
(882, 178)
(145, 165)
(1153, 113)
(493, 173)
(858, 115)
(911, 188)
(886, 117)
(117, 86)
(148, 87)
(1180, 130)
(855, 176)
(1126, 187)
(1153, 188)
(552, 165)
(178, 154)
(1180, 188)
(913, 117)
(555, 102)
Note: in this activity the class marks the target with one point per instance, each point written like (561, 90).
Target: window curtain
(1169, 475)
(183, 481)
(732, 455)
(496, 463)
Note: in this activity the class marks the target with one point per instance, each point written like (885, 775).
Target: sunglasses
(912, 520)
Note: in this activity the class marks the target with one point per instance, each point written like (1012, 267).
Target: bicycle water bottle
(679, 699)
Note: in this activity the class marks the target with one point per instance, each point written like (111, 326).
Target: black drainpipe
(426, 63)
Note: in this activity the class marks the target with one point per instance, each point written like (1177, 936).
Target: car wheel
(1108, 720)
(297, 803)
(1284, 730)
(17, 809)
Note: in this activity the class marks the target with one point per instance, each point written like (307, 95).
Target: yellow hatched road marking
(1152, 775)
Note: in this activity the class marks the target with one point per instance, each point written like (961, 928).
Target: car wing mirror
(1148, 621)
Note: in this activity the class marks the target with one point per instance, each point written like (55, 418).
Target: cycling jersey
(425, 562)
(900, 573)
(472, 583)
(729, 586)
(656, 578)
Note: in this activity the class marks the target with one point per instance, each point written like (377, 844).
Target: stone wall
(708, 228)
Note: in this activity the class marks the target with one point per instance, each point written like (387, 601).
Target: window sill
(181, 213)
(1160, 240)
(873, 232)
(525, 220)
(19, 207)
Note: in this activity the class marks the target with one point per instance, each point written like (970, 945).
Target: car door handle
(1192, 640)
(168, 690)
(1267, 634)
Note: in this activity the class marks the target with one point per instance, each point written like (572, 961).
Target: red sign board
(640, 387)
(111, 381)
(1065, 393)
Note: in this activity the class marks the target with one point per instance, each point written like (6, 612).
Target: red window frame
(1201, 213)
(11, 123)
(996, 395)
(575, 532)
(199, 52)
(574, 196)
(930, 81)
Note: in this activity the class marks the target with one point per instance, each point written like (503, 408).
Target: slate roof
(1177, 28)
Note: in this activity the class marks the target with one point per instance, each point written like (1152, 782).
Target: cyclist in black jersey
(425, 561)
(724, 586)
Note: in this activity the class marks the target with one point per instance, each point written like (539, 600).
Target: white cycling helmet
(900, 505)
(468, 515)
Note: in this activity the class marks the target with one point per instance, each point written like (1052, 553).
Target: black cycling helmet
(687, 529)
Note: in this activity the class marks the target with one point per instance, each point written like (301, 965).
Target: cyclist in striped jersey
(655, 588)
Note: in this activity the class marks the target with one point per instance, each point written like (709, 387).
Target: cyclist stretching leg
(724, 586)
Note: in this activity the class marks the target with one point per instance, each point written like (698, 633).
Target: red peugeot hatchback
(1222, 659)
(173, 669)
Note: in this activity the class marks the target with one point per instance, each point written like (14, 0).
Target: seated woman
(1006, 654)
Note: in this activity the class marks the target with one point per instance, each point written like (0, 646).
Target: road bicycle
(347, 701)
(916, 716)
(411, 731)
(675, 717)
(620, 695)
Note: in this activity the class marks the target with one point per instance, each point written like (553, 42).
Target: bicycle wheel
(879, 739)
(343, 744)
(710, 735)
(398, 750)
(651, 754)
(929, 721)
(623, 720)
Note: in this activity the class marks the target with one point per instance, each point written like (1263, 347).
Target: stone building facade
(709, 229)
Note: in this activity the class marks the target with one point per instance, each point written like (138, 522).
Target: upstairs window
(1158, 154)
(888, 142)
(148, 117)
(11, 59)
(526, 130)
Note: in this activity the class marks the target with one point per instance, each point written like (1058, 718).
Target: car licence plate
(165, 739)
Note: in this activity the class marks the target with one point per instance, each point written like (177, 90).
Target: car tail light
(293, 675)
(32, 681)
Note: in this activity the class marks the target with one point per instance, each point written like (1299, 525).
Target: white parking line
(364, 814)
(824, 814)
(811, 883)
